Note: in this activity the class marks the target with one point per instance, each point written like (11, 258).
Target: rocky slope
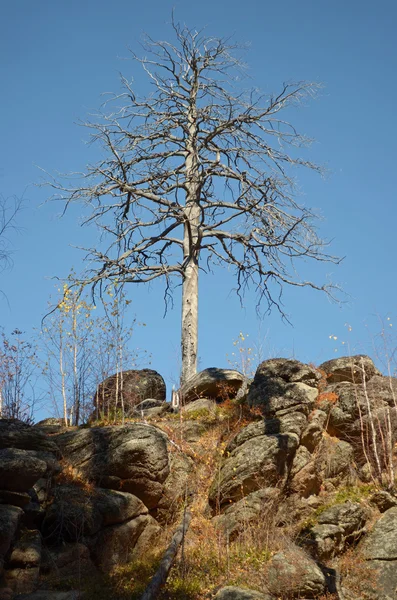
(290, 479)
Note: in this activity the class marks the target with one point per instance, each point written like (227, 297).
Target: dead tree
(198, 174)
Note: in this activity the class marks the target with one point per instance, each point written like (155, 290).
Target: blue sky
(56, 58)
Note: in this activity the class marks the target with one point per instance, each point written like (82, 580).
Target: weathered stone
(147, 540)
(51, 595)
(68, 561)
(217, 384)
(290, 370)
(26, 553)
(129, 388)
(257, 462)
(335, 458)
(76, 512)
(339, 526)
(21, 581)
(20, 469)
(10, 517)
(313, 433)
(20, 499)
(175, 487)
(115, 545)
(293, 573)
(202, 405)
(349, 368)
(383, 500)
(381, 542)
(237, 593)
(241, 515)
(15, 434)
(304, 477)
(133, 457)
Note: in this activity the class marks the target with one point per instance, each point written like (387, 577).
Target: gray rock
(204, 405)
(20, 469)
(51, 595)
(381, 542)
(76, 512)
(136, 386)
(313, 433)
(293, 573)
(15, 434)
(175, 487)
(68, 561)
(21, 581)
(237, 593)
(115, 545)
(20, 499)
(10, 517)
(257, 462)
(349, 368)
(214, 383)
(383, 500)
(133, 458)
(240, 516)
(305, 479)
(339, 526)
(26, 553)
(290, 370)
(335, 458)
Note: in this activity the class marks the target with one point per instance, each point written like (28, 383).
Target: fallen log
(160, 576)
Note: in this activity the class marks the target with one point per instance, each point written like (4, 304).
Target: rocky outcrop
(133, 458)
(126, 390)
(352, 369)
(217, 384)
(337, 528)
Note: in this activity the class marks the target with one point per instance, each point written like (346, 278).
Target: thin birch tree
(197, 174)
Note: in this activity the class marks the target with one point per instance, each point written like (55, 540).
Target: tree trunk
(191, 247)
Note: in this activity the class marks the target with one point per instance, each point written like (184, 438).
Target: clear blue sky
(58, 57)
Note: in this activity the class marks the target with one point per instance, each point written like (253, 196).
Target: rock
(151, 408)
(175, 486)
(20, 469)
(20, 499)
(349, 368)
(304, 477)
(76, 512)
(338, 527)
(313, 433)
(252, 463)
(243, 516)
(133, 457)
(26, 553)
(15, 434)
(6, 593)
(335, 458)
(293, 573)
(68, 561)
(51, 595)
(131, 387)
(10, 517)
(381, 542)
(284, 385)
(115, 545)
(203, 407)
(148, 538)
(383, 500)
(21, 581)
(237, 593)
(217, 384)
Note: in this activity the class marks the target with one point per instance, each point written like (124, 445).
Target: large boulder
(338, 527)
(133, 458)
(128, 389)
(238, 593)
(283, 386)
(253, 461)
(379, 549)
(353, 369)
(293, 574)
(217, 384)
(77, 512)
